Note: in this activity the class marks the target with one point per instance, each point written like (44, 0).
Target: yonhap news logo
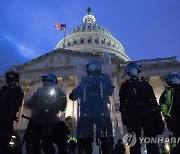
(130, 139)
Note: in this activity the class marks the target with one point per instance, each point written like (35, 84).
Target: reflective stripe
(169, 99)
(71, 138)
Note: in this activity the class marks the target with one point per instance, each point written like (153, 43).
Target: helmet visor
(49, 77)
(93, 66)
(173, 78)
(133, 66)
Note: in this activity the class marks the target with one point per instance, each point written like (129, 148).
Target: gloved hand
(124, 117)
(159, 123)
(164, 110)
(157, 112)
(71, 96)
(157, 109)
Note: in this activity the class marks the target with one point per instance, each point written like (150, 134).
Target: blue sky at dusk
(146, 28)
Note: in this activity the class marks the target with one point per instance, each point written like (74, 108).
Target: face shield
(43, 103)
(12, 75)
(49, 77)
(133, 72)
(93, 67)
(133, 69)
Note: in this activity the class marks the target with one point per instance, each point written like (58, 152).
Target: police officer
(44, 105)
(170, 105)
(119, 147)
(11, 97)
(137, 106)
(93, 92)
(60, 133)
(72, 143)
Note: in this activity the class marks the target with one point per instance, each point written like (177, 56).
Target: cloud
(23, 49)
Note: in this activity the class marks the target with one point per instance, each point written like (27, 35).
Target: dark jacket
(11, 97)
(136, 92)
(138, 96)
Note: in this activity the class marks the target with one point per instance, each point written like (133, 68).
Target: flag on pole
(60, 27)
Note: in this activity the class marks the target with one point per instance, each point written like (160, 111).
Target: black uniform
(11, 97)
(60, 134)
(119, 148)
(137, 106)
(173, 122)
(45, 105)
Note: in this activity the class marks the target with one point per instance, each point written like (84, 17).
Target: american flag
(60, 26)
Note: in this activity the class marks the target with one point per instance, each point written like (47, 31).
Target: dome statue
(93, 38)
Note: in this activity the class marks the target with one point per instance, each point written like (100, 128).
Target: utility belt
(137, 102)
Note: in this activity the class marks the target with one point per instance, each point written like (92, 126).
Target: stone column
(65, 84)
(116, 90)
(64, 89)
(158, 86)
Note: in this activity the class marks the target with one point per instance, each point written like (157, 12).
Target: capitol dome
(93, 38)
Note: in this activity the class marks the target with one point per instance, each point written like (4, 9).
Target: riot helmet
(133, 69)
(119, 141)
(12, 76)
(49, 77)
(173, 79)
(93, 67)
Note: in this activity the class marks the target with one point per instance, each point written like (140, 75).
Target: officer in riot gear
(93, 92)
(11, 96)
(170, 105)
(44, 106)
(137, 106)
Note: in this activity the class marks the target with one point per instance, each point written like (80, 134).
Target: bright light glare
(13, 136)
(167, 146)
(11, 143)
(52, 92)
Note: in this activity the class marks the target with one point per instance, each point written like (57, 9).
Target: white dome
(93, 38)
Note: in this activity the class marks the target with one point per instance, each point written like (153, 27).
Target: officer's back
(11, 97)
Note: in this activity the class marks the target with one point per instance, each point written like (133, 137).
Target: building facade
(89, 41)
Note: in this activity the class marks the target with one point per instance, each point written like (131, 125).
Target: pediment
(59, 58)
(51, 59)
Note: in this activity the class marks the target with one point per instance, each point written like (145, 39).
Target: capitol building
(85, 41)
(92, 38)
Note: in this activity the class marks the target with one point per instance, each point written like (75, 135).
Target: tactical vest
(167, 107)
(94, 92)
(10, 99)
(136, 91)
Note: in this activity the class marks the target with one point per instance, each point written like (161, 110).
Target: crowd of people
(138, 107)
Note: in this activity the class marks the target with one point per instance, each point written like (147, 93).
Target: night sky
(146, 28)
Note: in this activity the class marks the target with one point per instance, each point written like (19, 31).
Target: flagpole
(64, 37)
